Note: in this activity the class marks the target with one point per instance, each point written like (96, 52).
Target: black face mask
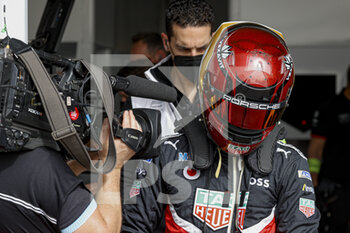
(188, 66)
(188, 60)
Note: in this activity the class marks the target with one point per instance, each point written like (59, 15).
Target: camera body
(23, 120)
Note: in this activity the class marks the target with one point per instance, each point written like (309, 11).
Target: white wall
(16, 19)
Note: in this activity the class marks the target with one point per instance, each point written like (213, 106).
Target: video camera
(24, 123)
(45, 98)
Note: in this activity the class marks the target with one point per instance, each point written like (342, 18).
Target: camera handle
(133, 138)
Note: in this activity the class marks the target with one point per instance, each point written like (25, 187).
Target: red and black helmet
(246, 78)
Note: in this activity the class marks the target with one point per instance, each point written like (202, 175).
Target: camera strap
(57, 113)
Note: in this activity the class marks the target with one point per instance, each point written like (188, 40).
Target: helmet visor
(239, 119)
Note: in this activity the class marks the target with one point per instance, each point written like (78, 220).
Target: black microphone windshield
(142, 87)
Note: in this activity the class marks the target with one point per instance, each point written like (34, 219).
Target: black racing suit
(166, 195)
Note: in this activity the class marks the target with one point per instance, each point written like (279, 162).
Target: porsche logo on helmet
(252, 105)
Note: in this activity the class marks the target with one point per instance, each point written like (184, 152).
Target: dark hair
(185, 13)
(151, 39)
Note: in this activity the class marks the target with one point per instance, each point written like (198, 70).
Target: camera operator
(39, 193)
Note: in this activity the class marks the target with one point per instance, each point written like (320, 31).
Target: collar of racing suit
(261, 159)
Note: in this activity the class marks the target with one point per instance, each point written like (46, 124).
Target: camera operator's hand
(124, 153)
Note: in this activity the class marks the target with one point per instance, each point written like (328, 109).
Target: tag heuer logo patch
(237, 149)
(241, 211)
(208, 208)
(307, 207)
(135, 189)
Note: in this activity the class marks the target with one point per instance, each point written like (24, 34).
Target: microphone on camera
(141, 87)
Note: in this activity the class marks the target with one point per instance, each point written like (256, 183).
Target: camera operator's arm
(107, 216)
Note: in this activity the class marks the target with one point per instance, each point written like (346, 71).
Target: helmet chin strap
(260, 160)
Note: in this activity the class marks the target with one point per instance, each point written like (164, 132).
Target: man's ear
(160, 54)
(165, 40)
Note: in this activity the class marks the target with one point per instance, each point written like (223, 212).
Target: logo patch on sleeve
(308, 189)
(304, 174)
(307, 207)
